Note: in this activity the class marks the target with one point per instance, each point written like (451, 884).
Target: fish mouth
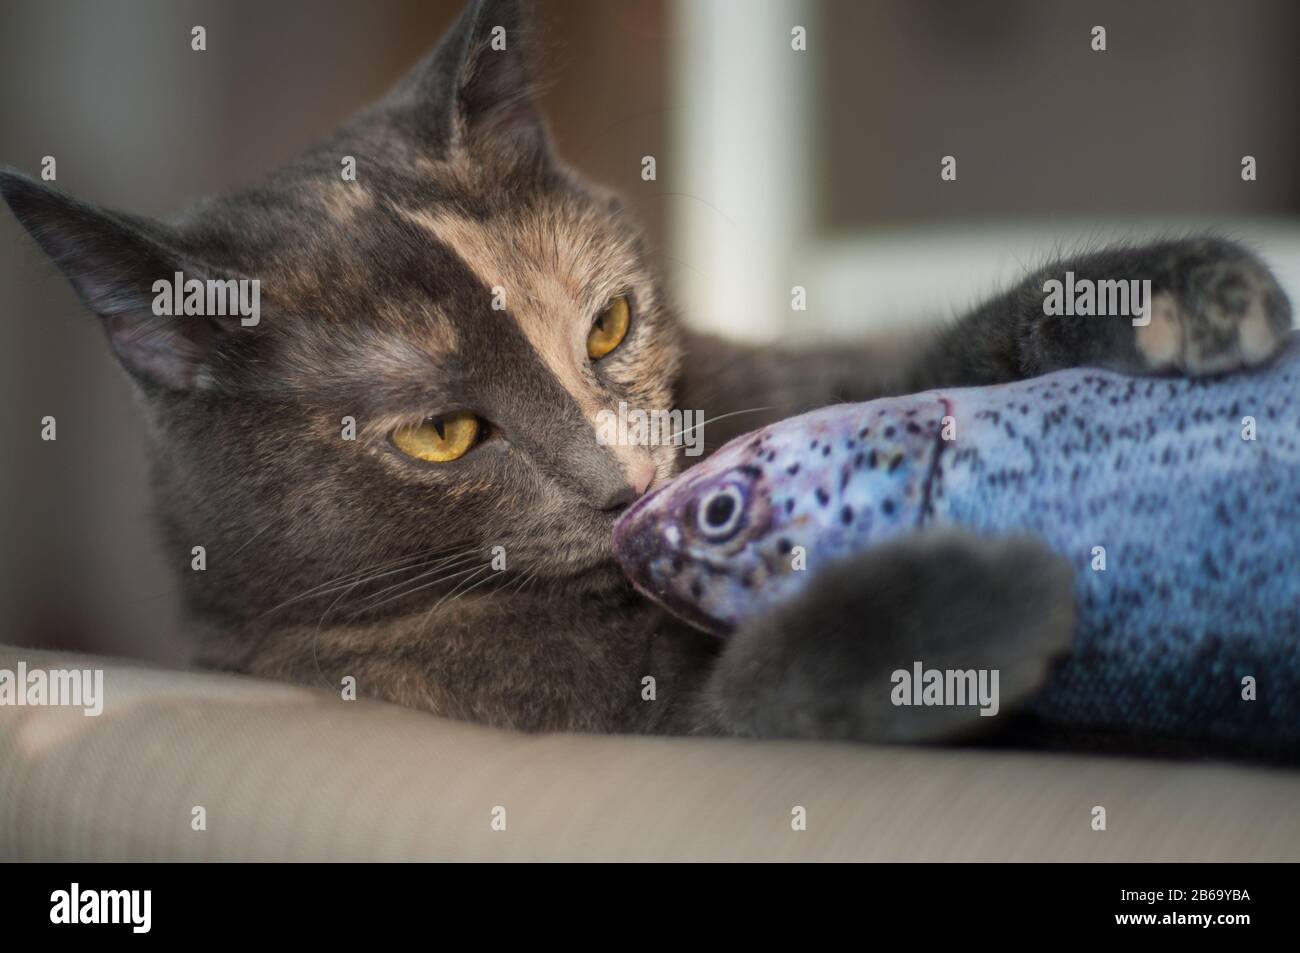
(680, 608)
(636, 549)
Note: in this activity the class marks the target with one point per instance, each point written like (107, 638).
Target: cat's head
(466, 300)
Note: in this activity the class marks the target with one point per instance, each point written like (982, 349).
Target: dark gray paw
(823, 665)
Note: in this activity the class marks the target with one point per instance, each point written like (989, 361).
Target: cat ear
(475, 89)
(113, 261)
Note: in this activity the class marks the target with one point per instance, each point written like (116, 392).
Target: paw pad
(1229, 314)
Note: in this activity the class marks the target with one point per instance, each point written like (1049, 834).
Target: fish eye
(718, 515)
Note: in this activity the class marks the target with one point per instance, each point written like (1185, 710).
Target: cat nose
(617, 499)
(639, 477)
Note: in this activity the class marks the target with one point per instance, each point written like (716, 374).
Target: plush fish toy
(1176, 500)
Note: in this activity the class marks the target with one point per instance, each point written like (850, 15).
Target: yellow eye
(439, 439)
(610, 328)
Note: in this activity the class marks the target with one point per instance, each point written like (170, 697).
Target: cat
(471, 304)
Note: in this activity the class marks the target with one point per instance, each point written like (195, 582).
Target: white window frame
(743, 225)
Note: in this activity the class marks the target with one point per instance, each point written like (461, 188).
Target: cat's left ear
(476, 91)
(113, 261)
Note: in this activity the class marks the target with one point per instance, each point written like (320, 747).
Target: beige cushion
(290, 773)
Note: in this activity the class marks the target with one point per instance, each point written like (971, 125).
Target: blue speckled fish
(1184, 533)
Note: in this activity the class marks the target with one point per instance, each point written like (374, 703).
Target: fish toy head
(743, 530)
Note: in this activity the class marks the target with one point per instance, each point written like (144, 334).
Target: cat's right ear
(113, 261)
(476, 90)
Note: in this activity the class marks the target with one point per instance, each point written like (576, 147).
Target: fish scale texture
(1184, 534)
(1199, 529)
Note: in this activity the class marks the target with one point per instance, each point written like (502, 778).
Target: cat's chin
(580, 560)
(588, 564)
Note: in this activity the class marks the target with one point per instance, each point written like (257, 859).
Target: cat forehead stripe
(504, 256)
(547, 264)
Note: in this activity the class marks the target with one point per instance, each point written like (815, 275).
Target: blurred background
(775, 168)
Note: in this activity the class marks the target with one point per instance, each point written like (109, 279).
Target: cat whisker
(734, 413)
(524, 577)
(430, 613)
(409, 558)
(512, 581)
(452, 594)
(350, 579)
(514, 584)
(687, 195)
(315, 638)
(269, 524)
(435, 582)
(373, 601)
(470, 589)
(536, 575)
(369, 575)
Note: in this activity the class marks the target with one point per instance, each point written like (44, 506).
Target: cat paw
(826, 664)
(1224, 311)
